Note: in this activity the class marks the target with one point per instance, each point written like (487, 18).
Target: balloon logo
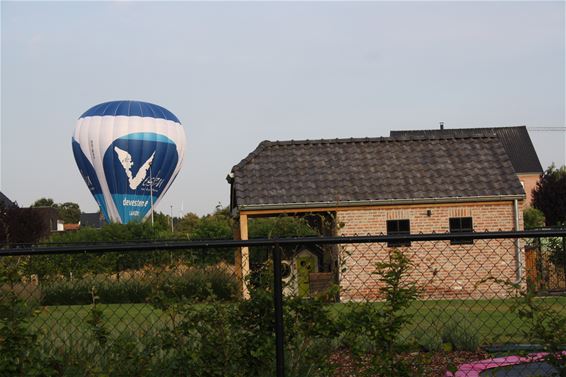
(129, 153)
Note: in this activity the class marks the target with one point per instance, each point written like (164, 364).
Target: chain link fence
(418, 305)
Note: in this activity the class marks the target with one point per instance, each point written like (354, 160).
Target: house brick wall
(443, 270)
(529, 182)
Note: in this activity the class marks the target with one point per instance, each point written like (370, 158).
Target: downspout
(518, 255)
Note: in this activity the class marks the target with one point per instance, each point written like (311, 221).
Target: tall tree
(533, 218)
(69, 212)
(44, 202)
(549, 195)
(187, 223)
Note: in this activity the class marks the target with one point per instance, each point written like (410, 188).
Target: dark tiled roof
(359, 170)
(515, 140)
(93, 220)
(7, 203)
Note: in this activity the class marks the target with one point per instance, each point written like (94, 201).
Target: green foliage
(276, 227)
(69, 212)
(309, 335)
(281, 226)
(50, 266)
(95, 321)
(19, 355)
(533, 218)
(458, 336)
(218, 225)
(78, 292)
(44, 202)
(429, 340)
(549, 195)
(367, 327)
(187, 223)
(213, 227)
(545, 326)
(237, 339)
(455, 334)
(161, 222)
(196, 284)
(109, 233)
(232, 338)
(205, 342)
(557, 247)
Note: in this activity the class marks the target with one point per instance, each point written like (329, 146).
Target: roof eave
(359, 203)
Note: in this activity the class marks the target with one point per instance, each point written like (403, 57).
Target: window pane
(459, 225)
(391, 226)
(404, 226)
(454, 224)
(467, 224)
(398, 227)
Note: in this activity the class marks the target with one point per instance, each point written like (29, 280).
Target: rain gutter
(360, 203)
(518, 256)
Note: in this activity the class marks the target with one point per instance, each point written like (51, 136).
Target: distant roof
(93, 220)
(7, 203)
(130, 108)
(349, 171)
(515, 140)
(67, 227)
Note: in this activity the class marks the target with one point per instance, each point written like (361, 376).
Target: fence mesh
(401, 306)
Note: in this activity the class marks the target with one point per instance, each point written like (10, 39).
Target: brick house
(430, 183)
(515, 141)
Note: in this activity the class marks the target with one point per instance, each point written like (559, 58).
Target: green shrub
(19, 353)
(372, 330)
(194, 284)
(78, 292)
(201, 284)
(454, 334)
(237, 339)
(429, 340)
(457, 336)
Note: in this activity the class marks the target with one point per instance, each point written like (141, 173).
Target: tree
(549, 195)
(69, 212)
(280, 226)
(533, 218)
(187, 223)
(161, 222)
(44, 202)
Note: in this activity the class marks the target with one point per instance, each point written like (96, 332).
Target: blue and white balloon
(129, 153)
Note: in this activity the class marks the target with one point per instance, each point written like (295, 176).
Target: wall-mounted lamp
(428, 212)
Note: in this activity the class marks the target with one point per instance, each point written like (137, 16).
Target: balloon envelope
(129, 153)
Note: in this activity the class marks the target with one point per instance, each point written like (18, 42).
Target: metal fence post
(278, 305)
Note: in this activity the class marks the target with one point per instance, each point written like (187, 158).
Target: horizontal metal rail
(289, 241)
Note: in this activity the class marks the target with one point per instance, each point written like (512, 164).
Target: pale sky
(239, 73)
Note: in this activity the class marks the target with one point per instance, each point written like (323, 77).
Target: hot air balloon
(129, 153)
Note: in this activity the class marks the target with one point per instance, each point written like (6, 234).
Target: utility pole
(151, 192)
(172, 228)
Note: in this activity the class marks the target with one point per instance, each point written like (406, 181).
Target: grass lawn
(493, 320)
(67, 324)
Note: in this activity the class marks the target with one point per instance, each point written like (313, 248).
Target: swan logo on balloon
(129, 153)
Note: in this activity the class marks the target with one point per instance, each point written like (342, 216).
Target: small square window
(396, 227)
(461, 225)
